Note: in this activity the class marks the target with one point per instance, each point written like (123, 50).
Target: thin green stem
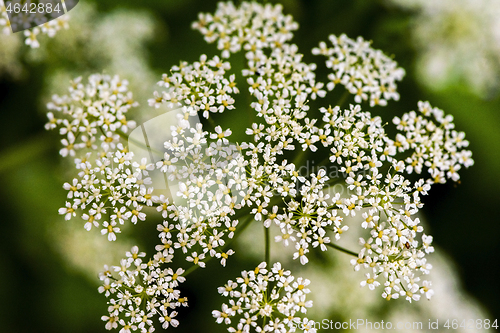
(211, 122)
(268, 245)
(341, 249)
(191, 269)
(343, 98)
(299, 156)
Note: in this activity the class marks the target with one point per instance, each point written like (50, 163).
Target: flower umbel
(263, 300)
(90, 117)
(138, 291)
(218, 187)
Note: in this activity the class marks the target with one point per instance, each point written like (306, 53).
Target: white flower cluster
(363, 71)
(213, 183)
(314, 210)
(138, 291)
(250, 26)
(434, 144)
(457, 42)
(48, 28)
(111, 190)
(202, 86)
(92, 114)
(265, 300)
(205, 174)
(361, 148)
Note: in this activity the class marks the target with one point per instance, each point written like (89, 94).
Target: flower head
(261, 298)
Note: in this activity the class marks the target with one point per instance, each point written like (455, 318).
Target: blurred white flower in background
(10, 63)
(114, 42)
(458, 42)
(30, 36)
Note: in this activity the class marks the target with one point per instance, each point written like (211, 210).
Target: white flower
(102, 182)
(110, 230)
(168, 319)
(425, 289)
(370, 282)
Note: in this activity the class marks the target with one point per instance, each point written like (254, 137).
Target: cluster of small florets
(433, 143)
(266, 301)
(111, 187)
(374, 174)
(214, 184)
(138, 291)
(205, 174)
(93, 115)
(365, 72)
(45, 27)
(250, 26)
(108, 192)
(202, 86)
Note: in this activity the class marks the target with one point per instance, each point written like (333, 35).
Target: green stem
(299, 156)
(341, 249)
(343, 98)
(191, 269)
(268, 246)
(324, 162)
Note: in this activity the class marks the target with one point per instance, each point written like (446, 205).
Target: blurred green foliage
(42, 293)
